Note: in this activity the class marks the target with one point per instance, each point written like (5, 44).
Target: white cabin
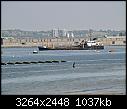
(91, 43)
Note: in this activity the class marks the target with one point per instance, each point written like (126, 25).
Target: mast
(90, 34)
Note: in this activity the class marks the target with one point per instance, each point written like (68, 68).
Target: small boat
(35, 52)
(112, 50)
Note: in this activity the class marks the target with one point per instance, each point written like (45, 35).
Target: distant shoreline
(37, 46)
(18, 46)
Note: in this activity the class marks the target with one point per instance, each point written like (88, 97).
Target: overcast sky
(70, 15)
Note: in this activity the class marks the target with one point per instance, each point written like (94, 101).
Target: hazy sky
(71, 15)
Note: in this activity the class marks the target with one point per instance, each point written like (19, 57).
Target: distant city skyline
(70, 15)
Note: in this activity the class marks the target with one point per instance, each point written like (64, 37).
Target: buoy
(10, 63)
(34, 62)
(18, 63)
(48, 61)
(3, 64)
(26, 62)
(55, 61)
(41, 62)
(63, 61)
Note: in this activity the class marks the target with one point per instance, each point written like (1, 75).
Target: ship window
(2, 41)
(10, 40)
(23, 43)
(124, 42)
(76, 43)
(113, 42)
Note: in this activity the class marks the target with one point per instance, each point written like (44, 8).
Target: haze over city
(71, 15)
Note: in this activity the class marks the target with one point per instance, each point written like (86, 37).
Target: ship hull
(73, 48)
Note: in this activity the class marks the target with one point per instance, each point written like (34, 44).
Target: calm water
(95, 72)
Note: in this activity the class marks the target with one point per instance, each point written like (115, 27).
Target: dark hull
(73, 48)
(42, 48)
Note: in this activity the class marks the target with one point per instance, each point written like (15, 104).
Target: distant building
(55, 33)
(72, 35)
(60, 33)
(64, 32)
(68, 35)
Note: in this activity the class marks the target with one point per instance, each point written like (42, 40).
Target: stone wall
(54, 42)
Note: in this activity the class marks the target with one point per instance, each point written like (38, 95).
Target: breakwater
(33, 62)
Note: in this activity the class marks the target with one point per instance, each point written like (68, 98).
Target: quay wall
(55, 42)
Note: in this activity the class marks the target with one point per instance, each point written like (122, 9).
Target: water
(95, 72)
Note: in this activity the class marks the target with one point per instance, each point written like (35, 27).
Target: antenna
(90, 34)
(58, 32)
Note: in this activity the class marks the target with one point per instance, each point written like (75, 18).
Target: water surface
(95, 72)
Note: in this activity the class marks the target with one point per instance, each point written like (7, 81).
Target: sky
(70, 15)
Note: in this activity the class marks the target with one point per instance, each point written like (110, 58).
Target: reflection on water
(95, 72)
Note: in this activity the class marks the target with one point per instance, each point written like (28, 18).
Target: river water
(95, 72)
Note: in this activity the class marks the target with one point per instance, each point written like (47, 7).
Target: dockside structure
(58, 41)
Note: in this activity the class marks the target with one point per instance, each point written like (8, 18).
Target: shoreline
(37, 46)
(18, 46)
